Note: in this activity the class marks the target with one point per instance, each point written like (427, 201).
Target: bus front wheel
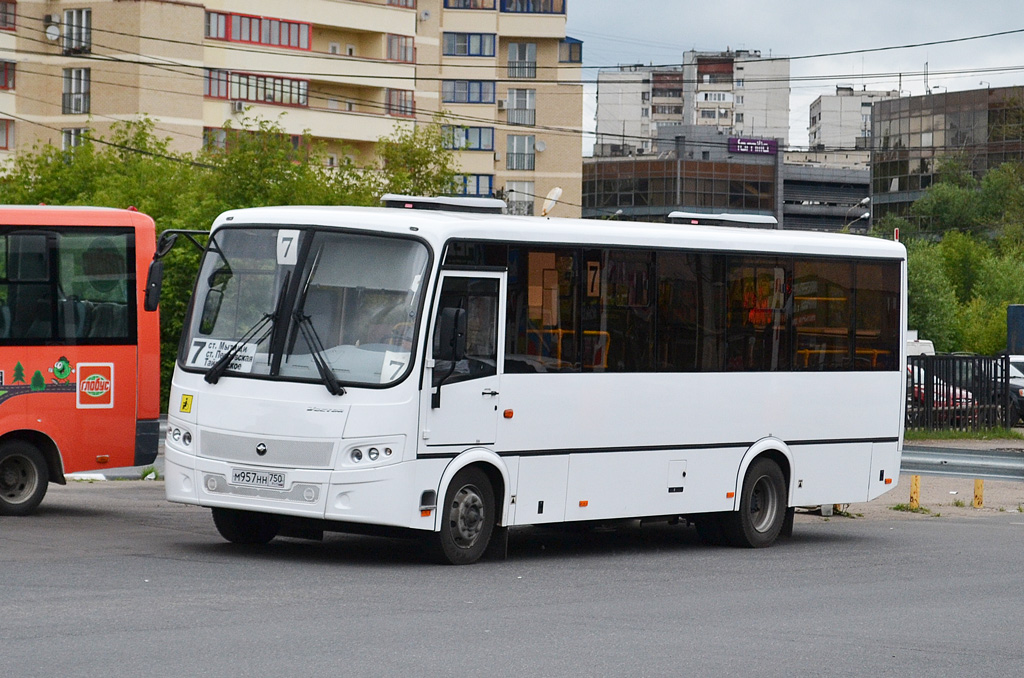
(762, 507)
(23, 478)
(245, 527)
(467, 518)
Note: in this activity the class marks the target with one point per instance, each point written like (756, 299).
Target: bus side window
(480, 299)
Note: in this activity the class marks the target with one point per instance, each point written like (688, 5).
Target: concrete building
(739, 92)
(843, 120)
(633, 104)
(910, 135)
(348, 71)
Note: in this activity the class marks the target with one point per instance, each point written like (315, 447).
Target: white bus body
(557, 423)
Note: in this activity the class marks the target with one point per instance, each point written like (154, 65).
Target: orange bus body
(84, 402)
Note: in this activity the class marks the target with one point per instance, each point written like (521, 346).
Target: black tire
(467, 518)
(24, 478)
(245, 527)
(762, 507)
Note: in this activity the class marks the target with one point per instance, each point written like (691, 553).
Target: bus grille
(287, 453)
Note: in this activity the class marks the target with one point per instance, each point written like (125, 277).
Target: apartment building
(509, 79)
(634, 103)
(738, 92)
(348, 71)
(843, 120)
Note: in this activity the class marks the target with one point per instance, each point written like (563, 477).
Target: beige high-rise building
(348, 71)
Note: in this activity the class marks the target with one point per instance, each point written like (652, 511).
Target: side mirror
(211, 309)
(154, 281)
(451, 343)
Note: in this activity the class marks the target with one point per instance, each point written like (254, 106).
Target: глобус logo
(95, 385)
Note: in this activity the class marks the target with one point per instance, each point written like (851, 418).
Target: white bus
(723, 219)
(453, 375)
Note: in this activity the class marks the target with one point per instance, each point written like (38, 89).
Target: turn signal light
(730, 495)
(509, 414)
(888, 481)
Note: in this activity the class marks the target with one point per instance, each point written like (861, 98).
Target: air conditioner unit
(238, 106)
(51, 19)
(497, 156)
(502, 104)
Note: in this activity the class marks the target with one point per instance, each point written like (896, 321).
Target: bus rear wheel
(245, 527)
(467, 518)
(762, 507)
(23, 478)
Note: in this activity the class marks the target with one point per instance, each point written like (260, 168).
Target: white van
(918, 346)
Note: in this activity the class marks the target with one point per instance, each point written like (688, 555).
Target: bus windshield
(306, 304)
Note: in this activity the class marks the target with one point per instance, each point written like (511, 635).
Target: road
(109, 579)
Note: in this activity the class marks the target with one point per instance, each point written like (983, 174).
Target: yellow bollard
(915, 492)
(979, 493)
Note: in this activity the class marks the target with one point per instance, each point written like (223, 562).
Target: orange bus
(79, 357)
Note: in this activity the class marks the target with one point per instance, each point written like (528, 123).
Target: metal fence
(958, 392)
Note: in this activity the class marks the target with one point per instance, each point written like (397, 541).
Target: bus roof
(70, 215)
(437, 227)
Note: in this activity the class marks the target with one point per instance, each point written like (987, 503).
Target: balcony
(533, 6)
(522, 116)
(521, 161)
(522, 69)
(75, 103)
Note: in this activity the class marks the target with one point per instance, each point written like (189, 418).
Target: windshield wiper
(220, 367)
(316, 350)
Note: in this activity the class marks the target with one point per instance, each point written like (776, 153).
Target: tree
(932, 306)
(38, 382)
(19, 374)
(414, 161)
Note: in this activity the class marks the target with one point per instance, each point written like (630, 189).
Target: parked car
(949, 403)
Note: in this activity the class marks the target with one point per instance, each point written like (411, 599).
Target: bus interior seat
(108, 319)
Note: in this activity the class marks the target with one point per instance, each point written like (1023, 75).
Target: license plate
(257, 478)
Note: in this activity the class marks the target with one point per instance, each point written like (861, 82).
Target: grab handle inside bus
(450, 345)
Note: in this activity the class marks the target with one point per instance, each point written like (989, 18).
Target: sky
(659, 31)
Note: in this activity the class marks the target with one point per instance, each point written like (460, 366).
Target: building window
(739, 99)
(739, 82)
(468, 138)
(519, 197)
(216, 84)
(533, 6)
(257, 30)
(739, 117)
(670, 93)
(7, 69)
(215, 137)
(475, 185)
(708, 113)
(72, 137)
(570, 51)
(522, 60)
(6, 135)
(411, 4)
(401, 48)
(400, 102)
(77, 31)
(467, 91)
(469, 4)
(469, 44)
(522, 107)
(645, 112)
(217, 25)
(76, 91)
(521, 152)
(257, 88)
(8, 14)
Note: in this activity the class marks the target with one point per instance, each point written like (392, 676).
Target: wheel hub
(467, 516)
(16, 480)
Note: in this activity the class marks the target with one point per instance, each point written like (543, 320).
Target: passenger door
(460, 403)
